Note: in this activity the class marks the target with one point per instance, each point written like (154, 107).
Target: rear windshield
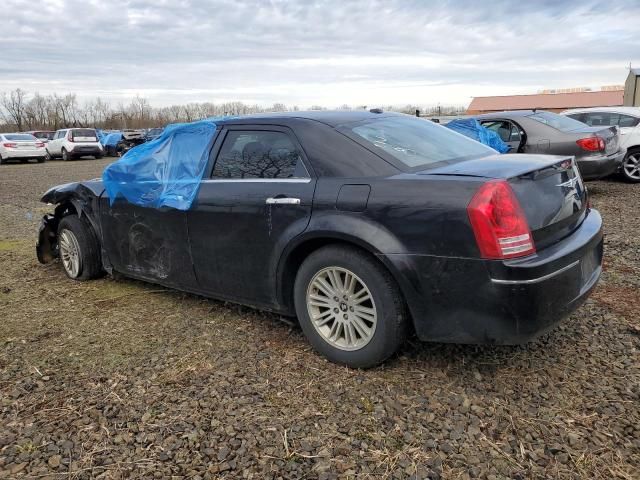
(559, 122)
(84, 132)
(19, 136)
(415, 142)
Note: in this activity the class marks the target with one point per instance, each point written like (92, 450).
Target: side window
(506, 130)
(601, 119)
(628, 121)
(581, 117)
(258, 154)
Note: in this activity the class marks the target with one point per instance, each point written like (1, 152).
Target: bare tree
(14, 106)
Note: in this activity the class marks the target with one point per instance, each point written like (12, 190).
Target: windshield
(416, 142)
(44, 135)
(19, 136)
(559, 122)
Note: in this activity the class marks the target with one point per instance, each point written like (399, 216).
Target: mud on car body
(367, 226)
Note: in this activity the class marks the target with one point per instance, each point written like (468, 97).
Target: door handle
(282, 201)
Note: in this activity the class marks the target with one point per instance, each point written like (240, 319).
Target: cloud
(373, 52)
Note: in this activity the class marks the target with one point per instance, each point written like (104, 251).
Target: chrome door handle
(282, 201)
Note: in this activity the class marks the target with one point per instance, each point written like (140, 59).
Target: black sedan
(596, 149)
(367, 226)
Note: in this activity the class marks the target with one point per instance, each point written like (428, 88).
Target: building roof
(547, 101)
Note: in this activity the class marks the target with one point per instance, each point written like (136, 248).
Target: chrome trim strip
(256, 180)
(535, 280)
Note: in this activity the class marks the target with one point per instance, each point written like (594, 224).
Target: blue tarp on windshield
(471, 128)
(165, 172)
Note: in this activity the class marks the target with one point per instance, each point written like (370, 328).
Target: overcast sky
(314, 52)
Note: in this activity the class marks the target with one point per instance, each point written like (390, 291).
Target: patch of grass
(11, 245)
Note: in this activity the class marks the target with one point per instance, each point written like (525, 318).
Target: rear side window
(559, 122)
(87, 134)
(628, 121)
(414, 142)
(43, 135)
(505, 130)
(258, 154)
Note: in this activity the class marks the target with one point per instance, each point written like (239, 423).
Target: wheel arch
(300, 249)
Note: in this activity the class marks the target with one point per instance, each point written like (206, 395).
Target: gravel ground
(120, 379)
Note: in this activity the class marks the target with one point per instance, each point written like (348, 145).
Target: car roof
(635, 111)
(509, 114)
(332, 118)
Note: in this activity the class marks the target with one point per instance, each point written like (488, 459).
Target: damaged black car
(366, 226)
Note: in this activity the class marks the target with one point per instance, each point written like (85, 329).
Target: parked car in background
(42, 135)
(597, 150)
(22, 147)
(153, 133)
(627, 119)
(70, 143)
(414, 228)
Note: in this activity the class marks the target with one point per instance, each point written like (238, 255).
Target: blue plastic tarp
(110, 139)
(165, 172)
(470, 127)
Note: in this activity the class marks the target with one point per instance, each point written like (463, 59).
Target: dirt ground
(120, 379)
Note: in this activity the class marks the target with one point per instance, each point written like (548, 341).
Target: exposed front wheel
(349, 307)
(631, 166)
(78, 248)
(48, 156)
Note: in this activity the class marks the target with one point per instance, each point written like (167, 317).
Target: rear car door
(54, 146)
(510, 133)
(256, 198)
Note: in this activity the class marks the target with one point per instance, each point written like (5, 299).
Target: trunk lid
(549, 190)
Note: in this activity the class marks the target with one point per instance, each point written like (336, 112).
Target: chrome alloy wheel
(69, 252)
(341, 308)
(631, 166)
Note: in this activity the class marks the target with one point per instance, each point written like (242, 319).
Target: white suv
(627, 119)
(71, 143)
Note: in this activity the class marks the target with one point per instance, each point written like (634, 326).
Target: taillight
(10, 145)
(39, 144)
(70, 137)
(498, 222)
(591, 144)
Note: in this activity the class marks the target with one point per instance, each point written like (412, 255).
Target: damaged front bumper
(47, 245)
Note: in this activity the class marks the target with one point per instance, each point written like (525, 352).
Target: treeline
(20, 111)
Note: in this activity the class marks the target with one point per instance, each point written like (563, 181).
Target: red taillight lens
(10, 145)
(39, 144)
(591, 144)
(498, 222)
(70, 137)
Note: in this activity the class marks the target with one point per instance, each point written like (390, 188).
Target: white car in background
(70, 143)
(627, 119)
(22, 147)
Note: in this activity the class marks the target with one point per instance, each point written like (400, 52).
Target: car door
(257, 198)
(147, 243)
(54, 146)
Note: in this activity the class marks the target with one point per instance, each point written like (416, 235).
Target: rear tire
(97, 157)
(65, 155)
(631, 166)
(79, 248)
(41, 159)
(367, 322)
(2, 160)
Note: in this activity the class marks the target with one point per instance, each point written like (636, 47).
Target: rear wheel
(2, 160)
(41, 159)
(79, 248)
(65, 155)
(631, 166)
(349, 307)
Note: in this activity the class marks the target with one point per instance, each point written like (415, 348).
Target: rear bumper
(600, 167)
(35, 153)
(461, 300)
(86, 150)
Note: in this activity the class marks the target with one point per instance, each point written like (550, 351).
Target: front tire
(79, 248)
(631, 166)
(48, 156)
(349, 307)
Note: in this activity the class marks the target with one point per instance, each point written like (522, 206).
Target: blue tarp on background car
(165, 172)
(110, 139)
(471, 128)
